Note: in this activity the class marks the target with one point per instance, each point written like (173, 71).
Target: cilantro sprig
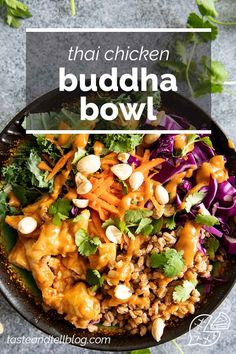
(202, 75)
(212, 245)
(182, 292)
(169, 261)
(15, 11)
(86, 245)
(194, 199)
(94, 279)
(192, 139)
(60, 210)
(207, 220)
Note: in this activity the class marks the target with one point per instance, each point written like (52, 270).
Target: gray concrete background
(111, 13)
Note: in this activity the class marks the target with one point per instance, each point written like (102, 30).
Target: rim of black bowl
(56, 326)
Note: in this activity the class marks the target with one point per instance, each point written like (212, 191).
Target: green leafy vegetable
(169, 261)
(212, 245)
(60, 210)
(202, 75)
(182, 292)
(135, 216)
(86, 244)
(143, 224)
(120, 142)
(194, 199)
(124, 185)
(157, 225)
(207, 220)
(15, 11)
(94, 278)
(191, 139)
(38, 177)
(170, 222)
(45, 146)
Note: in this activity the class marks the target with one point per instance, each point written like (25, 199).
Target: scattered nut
(150, 139)
(157, 213)
(123, 157)
(122, 171)
(122, 292)
(80, 203)
(158, 326)
(136, 180)
(27, 225)
(84, 187)
(161, 194)
(169, 210)
(113, 234)
(89, 164)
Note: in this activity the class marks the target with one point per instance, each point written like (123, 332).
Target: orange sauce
(98, 147)
(180, 141)
(188, 241)
(81, 140)
(215, 168)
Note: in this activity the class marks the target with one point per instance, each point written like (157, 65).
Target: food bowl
(18, 286)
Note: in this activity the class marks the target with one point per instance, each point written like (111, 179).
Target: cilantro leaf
(94, 278)
(212, 245)
(16, 10)
(169, 261)
(170, 222)
(207, 7)
(86, 244)
(60, 210)
(193, 199)
(207, 220)
(197, 22)
(142, 224)
(135, 216)
(182, 292)
(157, 225)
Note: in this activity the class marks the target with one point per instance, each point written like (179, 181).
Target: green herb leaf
(212, 245)
(170, 262)
(38, 177)
(142, 224)
(170, 222)
(94, 278)
(182, 292)
(193, 199)
(207, 7)
(124, 185)
(157, 225)
(197, 22)
(207, 220)
(120, 142)
(60, 209)
(135, 216)
(16, 10)
(86, 245)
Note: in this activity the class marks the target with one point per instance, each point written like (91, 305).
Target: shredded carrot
(60, 163)
(97, 222)
(44, 166)
(97, 202)
(146, 156)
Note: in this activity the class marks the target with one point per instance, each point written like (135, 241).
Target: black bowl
(18, 286)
